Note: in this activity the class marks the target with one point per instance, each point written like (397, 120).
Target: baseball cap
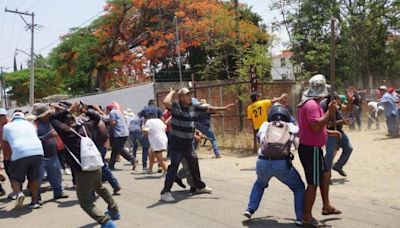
(317, 87)
(18, 115)
(382, 87)
(183, 91)
(3, 112)
(390, 89)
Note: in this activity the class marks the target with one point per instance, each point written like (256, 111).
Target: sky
(56, 17)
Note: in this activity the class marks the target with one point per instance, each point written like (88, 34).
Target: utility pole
(333, 58)
(32, 28)
(3, 88)
(178, 50)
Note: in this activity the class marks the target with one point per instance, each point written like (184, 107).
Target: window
(284, 76)
(283, 62)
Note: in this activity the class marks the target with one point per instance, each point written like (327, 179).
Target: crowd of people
(63, 137)
(59, 137)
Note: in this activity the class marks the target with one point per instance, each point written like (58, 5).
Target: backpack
(90, 156)
(277, 141)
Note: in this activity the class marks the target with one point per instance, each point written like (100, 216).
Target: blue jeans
(392, 125)
(266, 169)
(134, 138)
(332, 144)
(106, 171)
(210, 134)
(53, 168)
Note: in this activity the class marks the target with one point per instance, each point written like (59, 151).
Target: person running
(120, 133)
(155, 129)
(136, 137)
(203, 124)
(313, 136)
(21, 138)
(389, 104)
(100, 138)
(180, 145)
(50, 164)
(87, 182)
(280, 165)
(337, 138)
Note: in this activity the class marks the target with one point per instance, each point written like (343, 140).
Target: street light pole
(32, 74)
(178, 50)
(3, 90)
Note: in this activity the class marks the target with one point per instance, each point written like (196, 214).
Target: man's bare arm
(168, 99)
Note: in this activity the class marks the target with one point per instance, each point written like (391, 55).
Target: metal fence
(232, 127)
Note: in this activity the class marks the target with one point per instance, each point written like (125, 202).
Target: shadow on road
(183, 195)
(267, 222)
(336, 181)
(14, 213)
(91, 225)
(248, 169)
(149, 177)
(386, 138)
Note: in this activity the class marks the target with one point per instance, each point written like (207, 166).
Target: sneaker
(204, 190)
(116, 190)
(144, 168)
(218, 156)
(12, 196)
(109, 224)
(113, 215)
(340, 171)
(19, 200)
(159, 170)
(63, 195)
(67, 171)
(34, 205)
(298, 223)
(247, 214)
(167, 197)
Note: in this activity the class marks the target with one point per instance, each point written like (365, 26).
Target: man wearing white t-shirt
(374, 111)
(156, 130)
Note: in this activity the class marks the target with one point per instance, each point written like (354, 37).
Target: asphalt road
(364, 203)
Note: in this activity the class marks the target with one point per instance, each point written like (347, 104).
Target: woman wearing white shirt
(155, 128)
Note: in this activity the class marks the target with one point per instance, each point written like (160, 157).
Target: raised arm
(320, 123)
(216, 108)
(168, 99)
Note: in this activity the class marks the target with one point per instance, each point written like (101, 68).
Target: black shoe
(340, 171)
(116, 190)
(192, 190)
(180, 183)
(63, 195)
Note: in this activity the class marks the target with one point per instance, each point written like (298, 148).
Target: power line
(79, 26)
(30, 7)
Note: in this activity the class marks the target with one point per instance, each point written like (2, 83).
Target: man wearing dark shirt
(50, 163)
(333, 142)
(86, 181)
(180, 145)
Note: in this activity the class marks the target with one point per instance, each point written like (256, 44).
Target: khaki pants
(86, 183)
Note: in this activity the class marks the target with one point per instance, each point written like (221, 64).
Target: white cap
(383, 87)
(18, 115)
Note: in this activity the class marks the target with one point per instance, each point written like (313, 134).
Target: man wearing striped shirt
(180, 143)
